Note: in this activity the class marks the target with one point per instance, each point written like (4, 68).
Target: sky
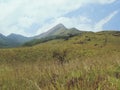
(33, 17)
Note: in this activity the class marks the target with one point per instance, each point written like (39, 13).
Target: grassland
(90, 61)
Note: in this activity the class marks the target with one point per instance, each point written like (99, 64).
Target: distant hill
(18, 38)
(12, 40)
(69, 35)
(6, 42)
(58, 30)
(53, 31)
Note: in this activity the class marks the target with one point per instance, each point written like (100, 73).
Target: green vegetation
(12, 40)
(46, 39)
(90, 61)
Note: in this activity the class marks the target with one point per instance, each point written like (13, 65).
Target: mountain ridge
(12, 40)
(51, 31)
(15, 40)
(58, 31)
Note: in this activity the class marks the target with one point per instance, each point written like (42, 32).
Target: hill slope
(90, 61)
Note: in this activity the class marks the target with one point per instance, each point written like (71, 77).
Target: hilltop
(13, 40)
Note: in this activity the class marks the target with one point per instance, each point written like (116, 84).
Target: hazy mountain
(6, 42)
(58, 30)
(53, 31)
(12, 40)
(3, 40)
(18, 38)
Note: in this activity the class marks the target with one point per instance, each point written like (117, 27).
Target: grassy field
(90, 61)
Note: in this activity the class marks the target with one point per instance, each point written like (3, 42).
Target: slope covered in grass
(90, 61)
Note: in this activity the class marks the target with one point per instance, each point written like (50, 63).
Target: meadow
(90, 61)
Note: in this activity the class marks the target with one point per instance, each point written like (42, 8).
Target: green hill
(88, 61)
(57, 32)
(49, 38)
(19, 38)
(13, 40)
(6, 42)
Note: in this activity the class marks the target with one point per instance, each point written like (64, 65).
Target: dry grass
(84, 66)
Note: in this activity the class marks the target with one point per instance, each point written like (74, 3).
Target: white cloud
(77, 22)
(101, 23)
(25, 22)
(80, 22)
(7, 9)
(106, 1)
(23, 13)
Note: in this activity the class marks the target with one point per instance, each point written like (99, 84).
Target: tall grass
(63, 65)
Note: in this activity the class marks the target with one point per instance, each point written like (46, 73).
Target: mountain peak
(1, 35)
(60, 25)
(13, 34)
(53, 31)
(57, 28)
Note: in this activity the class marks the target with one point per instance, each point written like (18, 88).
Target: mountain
(18, 38)
(6, 42)
(3, 40)
(53, 31)
(12, 40)
(58, 30)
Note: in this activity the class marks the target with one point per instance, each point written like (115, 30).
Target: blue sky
(32, 17)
